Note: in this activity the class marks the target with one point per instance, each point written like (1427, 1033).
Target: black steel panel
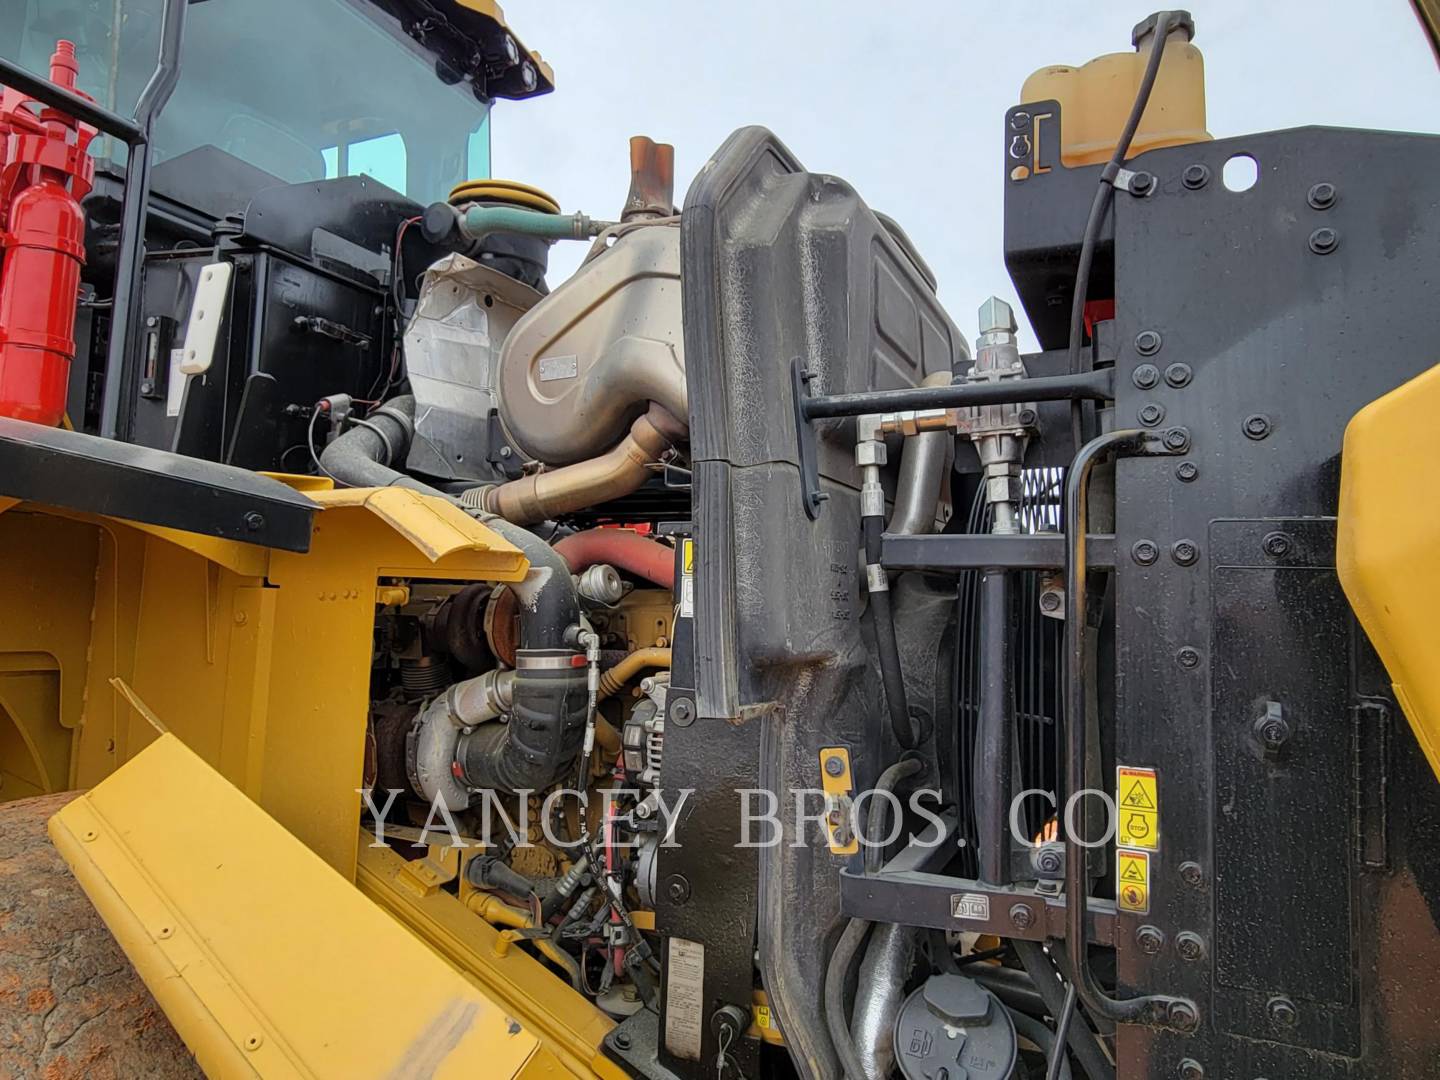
(1284, 335)
(103, 476)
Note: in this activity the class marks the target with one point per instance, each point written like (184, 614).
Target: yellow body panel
(268, 962)
(1389, 539)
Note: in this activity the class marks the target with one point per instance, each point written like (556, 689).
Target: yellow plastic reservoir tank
(1096, 98)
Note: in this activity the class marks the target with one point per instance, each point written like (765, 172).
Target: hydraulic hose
(1039, 1034)
(888, 648)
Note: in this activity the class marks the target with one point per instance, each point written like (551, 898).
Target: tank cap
(956, 999)
(1180, 20)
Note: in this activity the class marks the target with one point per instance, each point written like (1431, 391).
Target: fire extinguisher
(44, 173)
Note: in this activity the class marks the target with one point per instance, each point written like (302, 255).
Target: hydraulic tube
(995, 734)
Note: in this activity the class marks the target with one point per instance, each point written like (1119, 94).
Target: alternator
(643, 736)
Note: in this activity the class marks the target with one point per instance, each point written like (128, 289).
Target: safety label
(1137, 807)
(1133, 886)
(684, 998)
(687, 579)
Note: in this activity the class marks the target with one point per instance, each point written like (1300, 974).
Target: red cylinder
(39, 284)
(44, 173)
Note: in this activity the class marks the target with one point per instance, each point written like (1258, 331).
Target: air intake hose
(549, 695)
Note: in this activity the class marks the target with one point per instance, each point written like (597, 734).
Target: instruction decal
(684, 998)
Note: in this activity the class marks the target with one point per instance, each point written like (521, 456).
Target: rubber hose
(887, 646)
(1080, 1038)
(1036, 1031)
(625, 550)
(362, 456)
(836, 972)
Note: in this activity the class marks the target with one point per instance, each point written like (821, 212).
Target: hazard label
(1137, 807)
(689, 556)
(1132, 889)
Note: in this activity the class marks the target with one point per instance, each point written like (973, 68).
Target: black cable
(1084, 1044)
(1058, 1064)
(314, 455)
(887, 646)
(1039, 1034)
(1104, 194)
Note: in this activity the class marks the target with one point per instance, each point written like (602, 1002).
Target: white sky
(905, 100)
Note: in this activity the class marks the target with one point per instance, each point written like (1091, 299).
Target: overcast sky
(904, 99)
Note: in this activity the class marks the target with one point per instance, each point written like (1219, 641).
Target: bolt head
(677, 888)
(1049, 601)
(1019, 120)
(1184, 552)
(1186, 472)
(622, 1040)
(254, 521)
(1188, 657)
(1178, 375)
(1182, 1016)
(1190, 1069)
(1177, 439)
(1324, 240)
(1151, 939)
(1191, 874)
(1146, 376)
(1257, 426)
(1195, 176)
(1027, 417)
(1142, 184)
(1189, 946)
(1022, 916)
(834, 766)
(1151, 414)
(1148, 342)
(1321, 196)
(1144, 552)
(1277, 545)
(1282, 1011)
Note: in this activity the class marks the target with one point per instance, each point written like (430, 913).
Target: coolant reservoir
(1096, 98)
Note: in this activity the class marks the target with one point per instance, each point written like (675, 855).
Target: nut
(677, 888)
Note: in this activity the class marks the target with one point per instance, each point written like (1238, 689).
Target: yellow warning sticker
(762, 1016)
(689, 556)
(1137, 806)
(1132, 890)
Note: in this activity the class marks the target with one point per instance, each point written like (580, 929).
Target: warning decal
(1132, 890)
(687, 579)
(1137, 808)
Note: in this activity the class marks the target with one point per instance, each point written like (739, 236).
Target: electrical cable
(1041, 1035)
(1058, 1065)
(314, 454)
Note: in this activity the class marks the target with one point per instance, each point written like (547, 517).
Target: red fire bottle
(44, 173)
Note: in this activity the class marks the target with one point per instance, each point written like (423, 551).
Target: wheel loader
(712, 665)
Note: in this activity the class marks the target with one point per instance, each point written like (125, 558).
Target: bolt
(1022, 917)
(1151, 414)
(1177, 440)
(1189, 945)
(682, 711)
(1146, 376)
(1190, 1069)
(1141, 184)
(1047, 860)
(1019, 120)
(1277, 545)
(834, 766)
(1178, 375)
(1274, 733)
(1148, 342)
(1049, 601)
(1027, 417)
(1257, 426)
(1184, 552)
(1151, 939)
(1191, 874)
(677, 888)
(1183, 1016)
(622, 1040)
(1188, 657)
(1324, 241)
(1282, 1011)
(1144, 552)
(1195, 176)
(1321, 196)
(1186, 472)
(254, 521)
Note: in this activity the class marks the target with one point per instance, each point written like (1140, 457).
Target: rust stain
(39, 1001)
